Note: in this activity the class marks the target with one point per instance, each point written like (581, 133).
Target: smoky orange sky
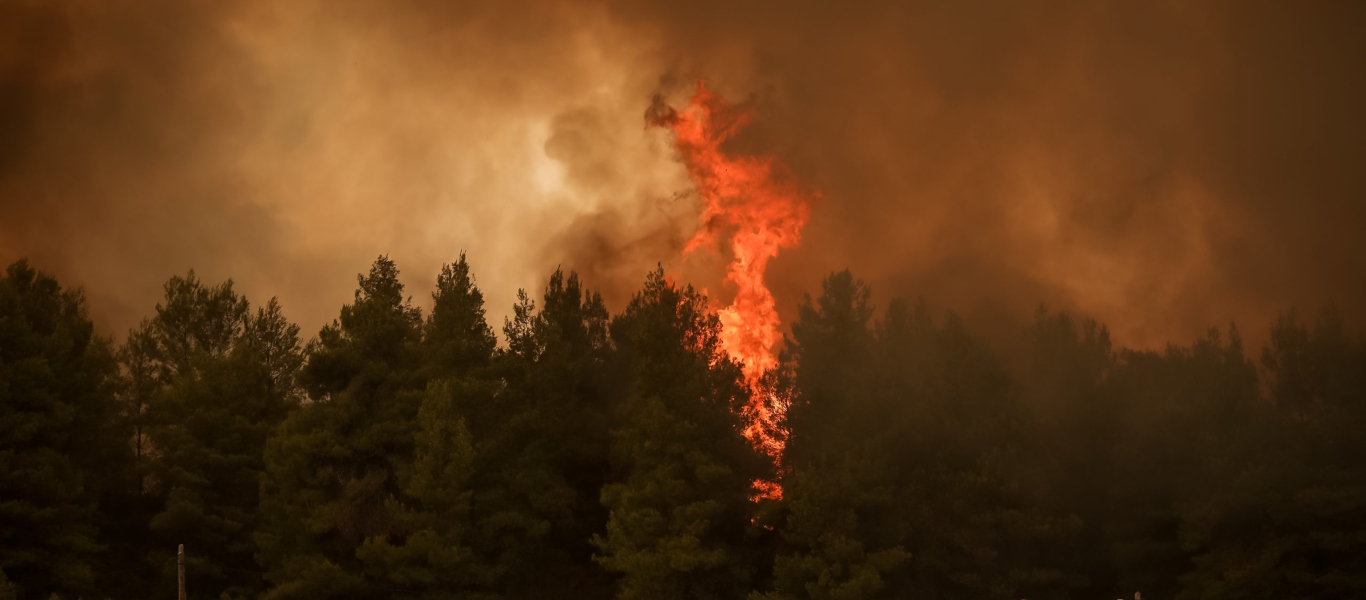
(1162, 166)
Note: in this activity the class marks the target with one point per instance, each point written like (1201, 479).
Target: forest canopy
(398, 453)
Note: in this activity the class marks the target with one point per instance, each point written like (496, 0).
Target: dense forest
(397, 454)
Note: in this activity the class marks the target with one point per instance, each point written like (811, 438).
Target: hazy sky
(1161, 166)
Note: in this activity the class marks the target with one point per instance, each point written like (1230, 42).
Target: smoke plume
(1163, 166)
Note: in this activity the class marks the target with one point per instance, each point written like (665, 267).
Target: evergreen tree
(428, 549)
(1287, 522)
(1135, 446)
(61, 441)
(544, 447)
(366, 486)
(209, 381)
(430, 556)
(1068, 467)
(1182, 418)
(403, 457)
(900, 459)
(834, 549)
(682, 470)
(457, 338)
(333, 463)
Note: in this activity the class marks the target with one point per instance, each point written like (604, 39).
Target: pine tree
(544, 447)
(682, 470)
(61, 446)
(899, 458)
(1067, 453)
(334, 462)
(366, 488)
(209, 381)
(842, 537)
(428, 549)
(430, 553)
(1181, 417)
(1288, 521)
(456, 337)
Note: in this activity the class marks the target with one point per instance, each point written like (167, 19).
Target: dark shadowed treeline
(398, 454)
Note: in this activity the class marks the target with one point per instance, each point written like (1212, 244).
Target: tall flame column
(742, 197)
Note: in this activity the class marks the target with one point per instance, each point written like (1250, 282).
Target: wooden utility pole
(180, 569)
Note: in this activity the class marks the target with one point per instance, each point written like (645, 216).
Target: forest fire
(749, 199)
(367, 299)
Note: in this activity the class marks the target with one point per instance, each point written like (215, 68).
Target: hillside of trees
(584, 455)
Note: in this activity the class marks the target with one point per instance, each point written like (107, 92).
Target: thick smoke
(1162, 166)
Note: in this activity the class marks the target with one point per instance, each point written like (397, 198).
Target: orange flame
(763, 213)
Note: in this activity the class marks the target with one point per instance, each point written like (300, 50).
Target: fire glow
(743, 197)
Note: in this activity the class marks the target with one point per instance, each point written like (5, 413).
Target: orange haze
(1162, 165)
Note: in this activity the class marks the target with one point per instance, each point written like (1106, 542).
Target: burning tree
(748, 199)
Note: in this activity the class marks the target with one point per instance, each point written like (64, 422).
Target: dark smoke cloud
(1162, 166)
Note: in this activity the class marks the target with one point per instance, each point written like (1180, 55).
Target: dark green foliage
(899, 459)
(1180, 420)
(335, 462)
(61, 448)
(682, 470)
(456, 337)
(596, 456)
(843, 534)
(1290, 522)
(543, 448)
(1066, 449)
(1187, 481)
(430, 519)
(364, 492)
(208, 381)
